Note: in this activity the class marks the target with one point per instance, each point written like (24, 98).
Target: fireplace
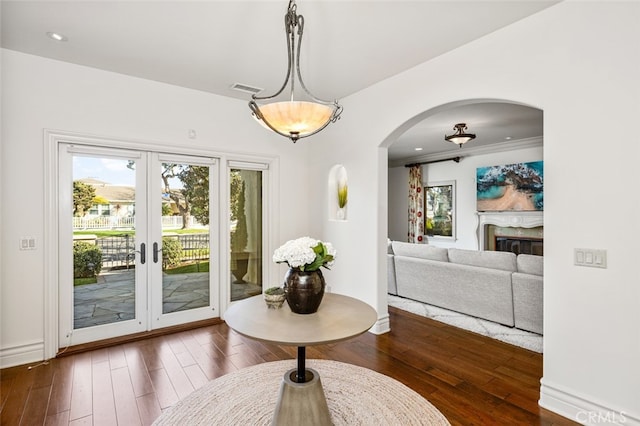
(517, 232)
(519, 245)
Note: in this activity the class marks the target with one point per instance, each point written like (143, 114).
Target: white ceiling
(210, 45)
(495, 124)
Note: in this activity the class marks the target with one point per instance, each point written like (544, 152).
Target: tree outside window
(439, 206)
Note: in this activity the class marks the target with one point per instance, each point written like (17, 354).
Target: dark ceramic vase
(304, 290)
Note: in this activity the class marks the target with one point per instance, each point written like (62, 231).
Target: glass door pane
(245, 226)
(101, 266)
(184, 253)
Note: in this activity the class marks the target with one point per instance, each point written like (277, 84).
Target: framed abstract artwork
(510, 187)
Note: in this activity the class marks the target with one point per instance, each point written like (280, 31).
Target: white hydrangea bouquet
(305, 254)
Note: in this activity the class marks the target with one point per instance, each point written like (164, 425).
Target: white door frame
(68, 334)
(156, 318)
(262, 167)
(52, 138)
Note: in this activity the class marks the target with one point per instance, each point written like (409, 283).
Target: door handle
(156, 250)
(143, 253)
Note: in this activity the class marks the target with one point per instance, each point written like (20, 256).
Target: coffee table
(339, 317)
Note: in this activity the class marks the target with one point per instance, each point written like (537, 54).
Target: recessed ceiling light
(57, 36)
(418, 149)
(508, 138)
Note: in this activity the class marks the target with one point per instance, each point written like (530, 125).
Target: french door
(138, 245)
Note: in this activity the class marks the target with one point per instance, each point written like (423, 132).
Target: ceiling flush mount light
(293, 118)
(57, 36)
(460, 137)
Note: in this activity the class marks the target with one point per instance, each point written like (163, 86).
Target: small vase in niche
(340, 214)
(304, 290)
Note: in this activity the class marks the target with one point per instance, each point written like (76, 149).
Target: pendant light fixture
(460, 137)
(293, 118)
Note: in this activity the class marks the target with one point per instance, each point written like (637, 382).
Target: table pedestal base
(301, 403)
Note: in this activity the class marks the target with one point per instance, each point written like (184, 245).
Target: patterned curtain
(416, 205)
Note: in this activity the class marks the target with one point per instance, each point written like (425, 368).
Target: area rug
(511, 335)
(355, 396)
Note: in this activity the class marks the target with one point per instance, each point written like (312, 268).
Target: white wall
(355, 270)
(40, 94)
(464, 174)
(579, 62)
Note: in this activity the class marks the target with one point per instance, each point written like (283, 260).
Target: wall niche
(338, 191)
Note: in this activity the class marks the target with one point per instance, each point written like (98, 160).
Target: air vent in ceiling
(245, 88)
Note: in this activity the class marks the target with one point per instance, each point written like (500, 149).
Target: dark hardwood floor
(471, 379)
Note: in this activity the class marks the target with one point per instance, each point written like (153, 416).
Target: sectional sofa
(497, 286)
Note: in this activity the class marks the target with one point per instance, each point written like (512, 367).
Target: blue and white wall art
(510, 187)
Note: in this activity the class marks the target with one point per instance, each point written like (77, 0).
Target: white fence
(115, 222)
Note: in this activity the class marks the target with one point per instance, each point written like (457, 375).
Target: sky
(113, 171)
(110, 170)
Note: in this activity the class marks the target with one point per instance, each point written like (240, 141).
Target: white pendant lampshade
(295, 119)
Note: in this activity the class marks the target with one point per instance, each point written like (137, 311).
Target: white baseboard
(381, 326)
(581, 410)
(25, 353)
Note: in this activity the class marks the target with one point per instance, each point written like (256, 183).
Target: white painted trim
(195, 160)
(104, 152)
(24, 353)
(580, 408)
(381, 326)
(246, 165)
(50, 247)
(52, 138)
(156, 318)
(270, 168)
(146, 145)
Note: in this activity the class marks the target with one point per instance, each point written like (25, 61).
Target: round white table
(338, 318)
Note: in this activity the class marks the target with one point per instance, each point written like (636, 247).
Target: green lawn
(186, 269)
(102, 233)
(186, 231)
(83, 281)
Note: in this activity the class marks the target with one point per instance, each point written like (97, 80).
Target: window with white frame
(440, 209)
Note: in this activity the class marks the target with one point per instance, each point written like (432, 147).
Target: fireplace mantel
(514, 219)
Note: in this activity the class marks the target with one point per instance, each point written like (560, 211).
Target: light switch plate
(593, 258)
(27, 243)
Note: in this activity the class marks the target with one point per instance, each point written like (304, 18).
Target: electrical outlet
(593, 258)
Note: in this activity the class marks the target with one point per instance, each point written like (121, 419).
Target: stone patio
(112, 298)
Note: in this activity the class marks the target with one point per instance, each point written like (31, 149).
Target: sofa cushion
(392, 288)
(527, 301)
(421, 251)
(480, 292)
(502, 260)
(530, 264)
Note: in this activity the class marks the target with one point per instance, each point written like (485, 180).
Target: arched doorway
(507, 132)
